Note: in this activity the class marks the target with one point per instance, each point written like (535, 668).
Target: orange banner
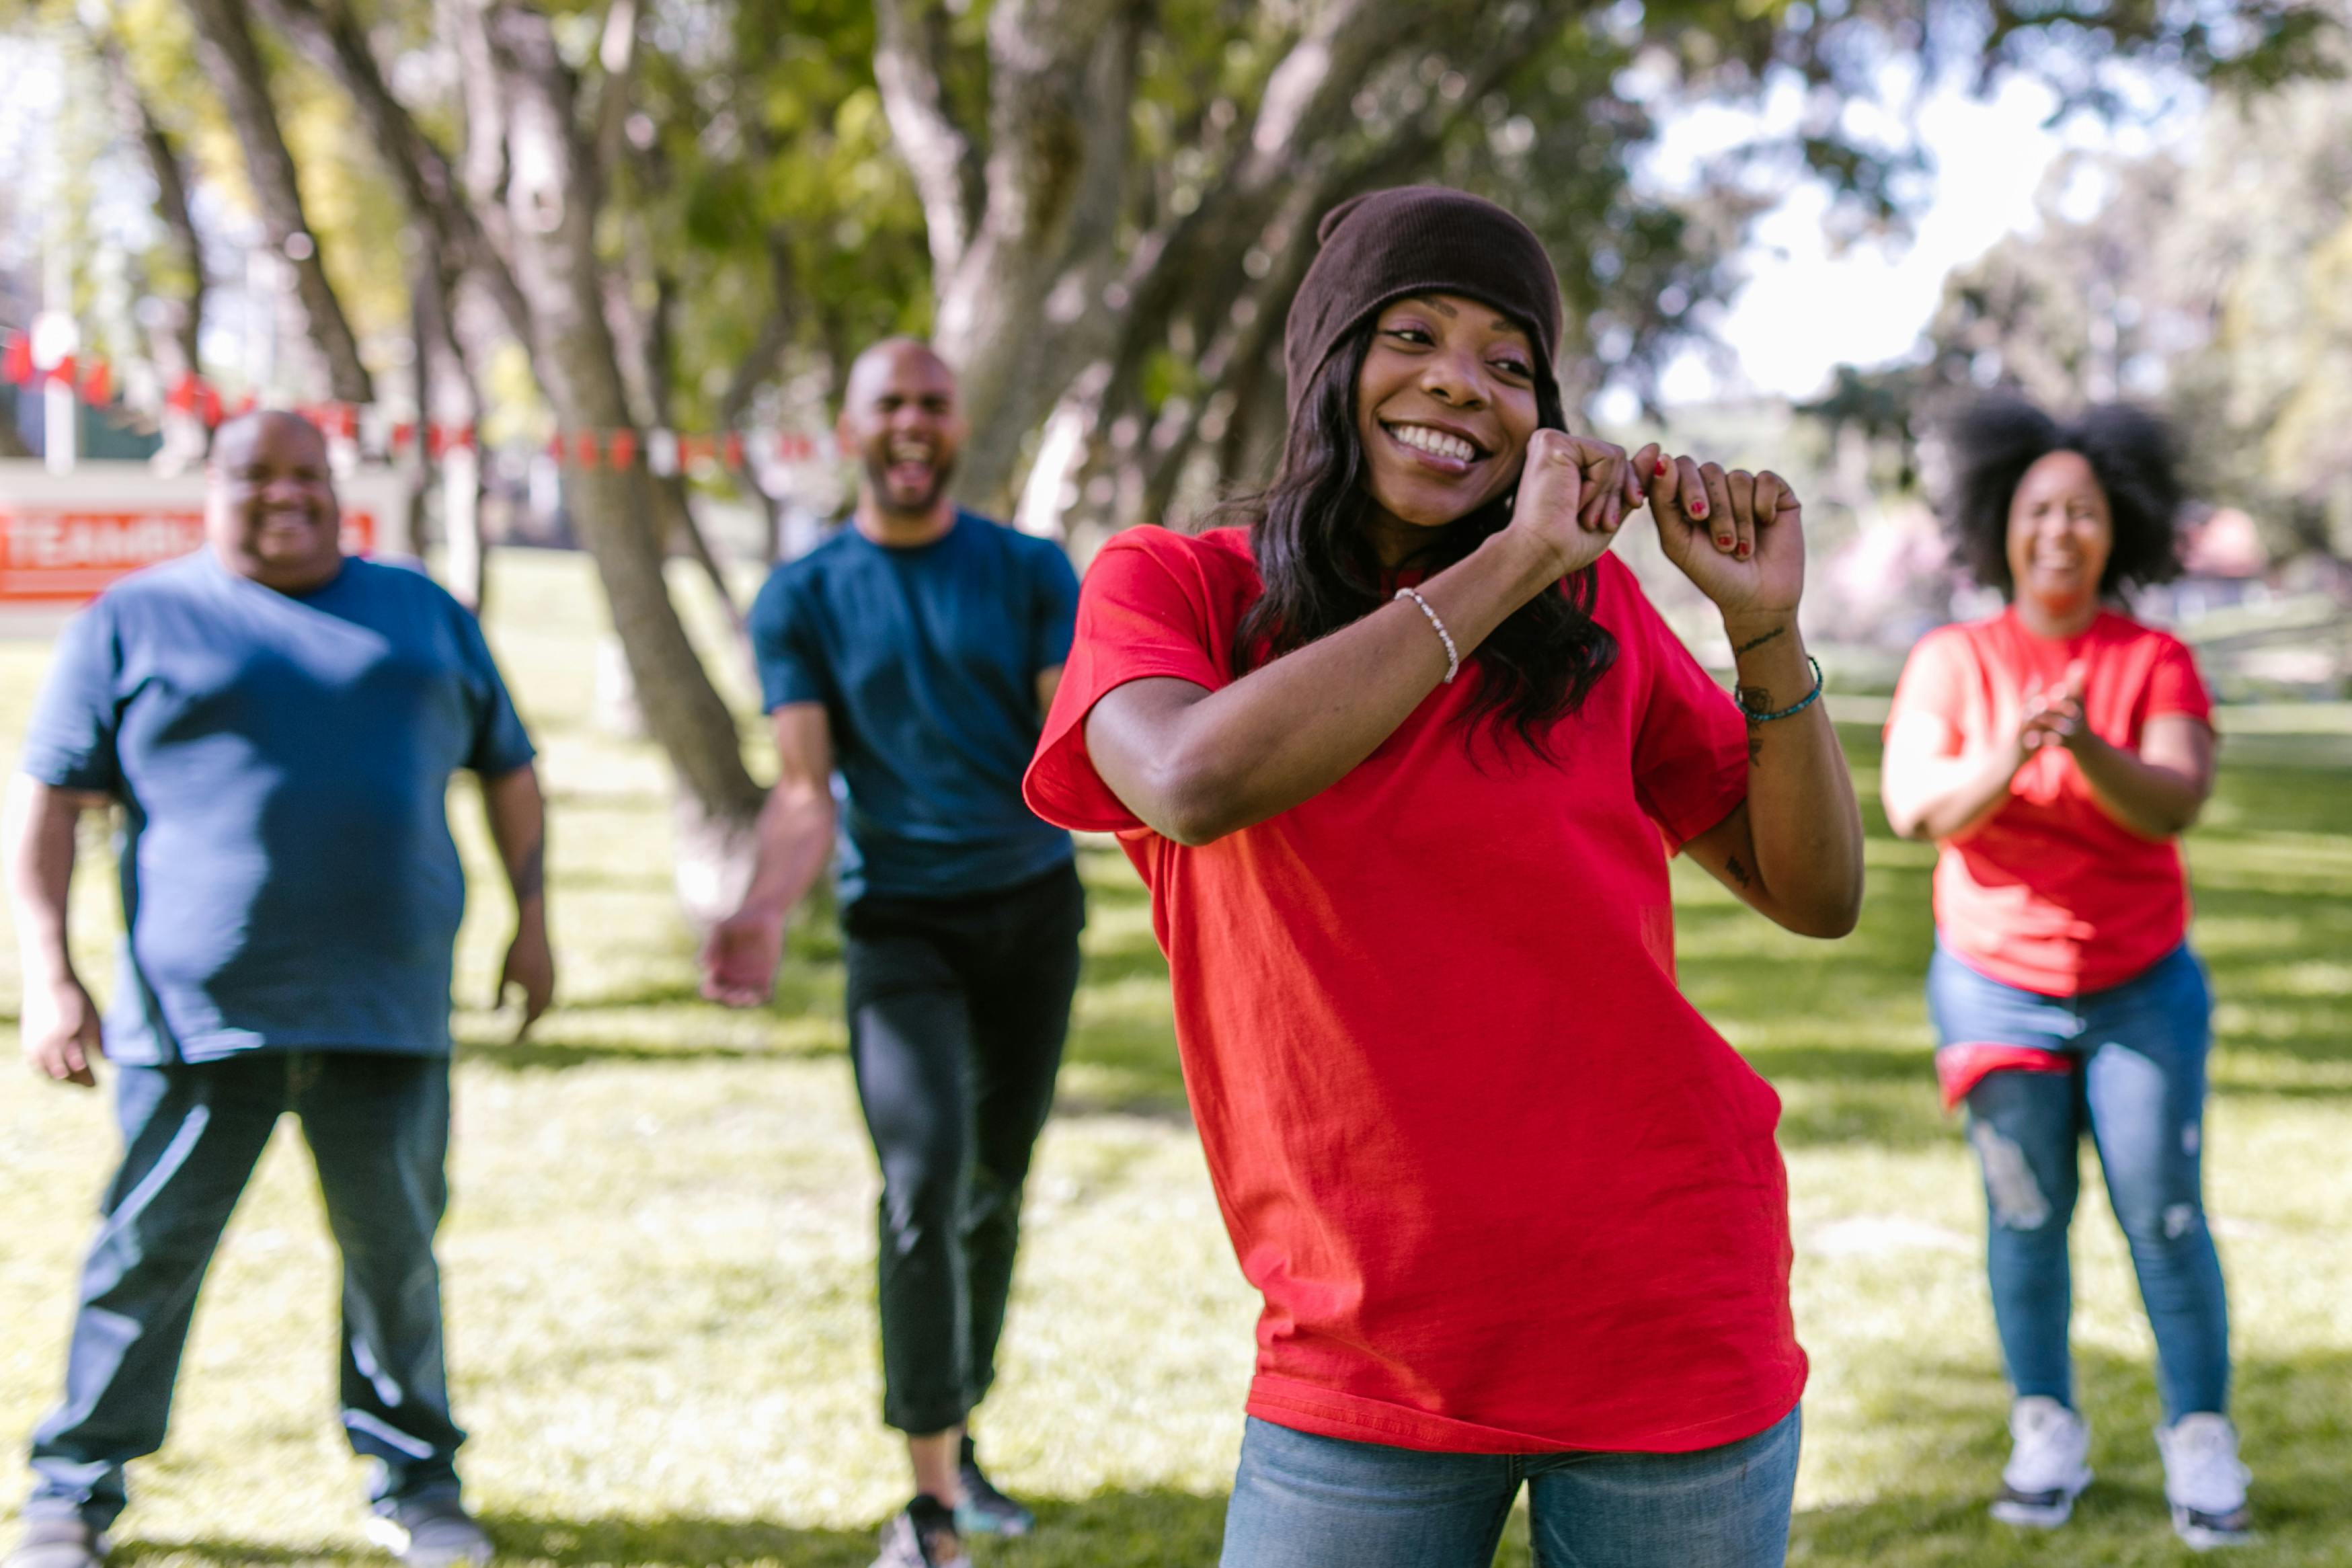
(59, 552)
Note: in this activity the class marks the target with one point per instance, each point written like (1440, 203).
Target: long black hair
(1321, 571)
(2131, 455)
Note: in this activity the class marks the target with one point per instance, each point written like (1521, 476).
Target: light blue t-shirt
(926, 662)
(288, 880)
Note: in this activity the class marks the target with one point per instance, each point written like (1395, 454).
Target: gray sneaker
(67, 1542)
(431, 1533)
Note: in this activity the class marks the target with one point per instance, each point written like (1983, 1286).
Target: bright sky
(1804, 310)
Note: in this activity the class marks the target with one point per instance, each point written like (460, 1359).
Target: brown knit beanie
(1417, 240)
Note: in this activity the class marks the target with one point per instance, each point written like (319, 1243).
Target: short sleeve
(1136, 620)
(500, 744)
(1690, 753)
(1934, 685)
(71, 741)
(2175, 687)
(1054, 625)
(784, 646)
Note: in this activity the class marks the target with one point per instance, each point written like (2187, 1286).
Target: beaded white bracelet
(1453, 658)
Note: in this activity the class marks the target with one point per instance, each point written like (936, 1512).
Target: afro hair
(2130, 452)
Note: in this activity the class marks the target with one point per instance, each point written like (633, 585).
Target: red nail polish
(1662, 468)
(1723, 541)
(1743, 552)
(1698, 508)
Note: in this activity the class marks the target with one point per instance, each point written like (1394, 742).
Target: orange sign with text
(66, 552)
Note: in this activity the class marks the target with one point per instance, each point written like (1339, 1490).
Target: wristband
(1737, 695)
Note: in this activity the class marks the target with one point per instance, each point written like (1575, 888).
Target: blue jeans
(2137, 1088)
(1305, 1501)
(378, 1126)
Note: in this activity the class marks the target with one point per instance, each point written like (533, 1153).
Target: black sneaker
(431, 1533)
(922, 1535)
(985, 1511)
(67, 1542)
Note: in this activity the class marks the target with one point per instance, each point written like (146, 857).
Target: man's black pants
(956, 1012)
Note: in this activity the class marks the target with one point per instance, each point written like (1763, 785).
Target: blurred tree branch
(225, 39)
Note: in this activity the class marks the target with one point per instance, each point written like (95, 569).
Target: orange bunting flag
(625, 448)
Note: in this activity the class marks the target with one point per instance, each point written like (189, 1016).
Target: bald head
(885, 361)
(269, 502)
(903, 423)
(237, 437)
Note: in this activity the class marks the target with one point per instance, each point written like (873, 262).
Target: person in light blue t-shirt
(278, 724)
(916, 650)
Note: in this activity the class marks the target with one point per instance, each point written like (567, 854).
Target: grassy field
(659, 1259)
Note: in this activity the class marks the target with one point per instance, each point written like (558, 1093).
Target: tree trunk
(1016, 301)
(327, 32)
(224, 41)
(518, 205)
(448, 393)
(139, 124)
(1033, 285)
(551, 208)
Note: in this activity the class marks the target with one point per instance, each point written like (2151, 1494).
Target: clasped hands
(2052, 715)
(1738, 535)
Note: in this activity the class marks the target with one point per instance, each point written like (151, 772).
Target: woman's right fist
(1574, 492)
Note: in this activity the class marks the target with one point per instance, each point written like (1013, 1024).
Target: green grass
(659, 1259)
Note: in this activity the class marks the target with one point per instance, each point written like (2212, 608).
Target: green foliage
(2212, 281)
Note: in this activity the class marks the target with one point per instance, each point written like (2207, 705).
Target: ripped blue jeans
(2138, 1090)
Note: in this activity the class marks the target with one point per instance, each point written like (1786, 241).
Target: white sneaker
(2204, 1483)
(2048, 1468)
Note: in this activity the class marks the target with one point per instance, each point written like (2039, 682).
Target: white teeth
(1436, 442)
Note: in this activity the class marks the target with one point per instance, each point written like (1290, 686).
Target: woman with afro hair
(2055, 753)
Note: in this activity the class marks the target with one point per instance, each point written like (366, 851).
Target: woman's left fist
(1740, 536)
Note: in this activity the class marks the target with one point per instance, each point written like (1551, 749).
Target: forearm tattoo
(1752, 644)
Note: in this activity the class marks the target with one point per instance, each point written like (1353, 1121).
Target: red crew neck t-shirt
(1502, 1188)
(2052, 894)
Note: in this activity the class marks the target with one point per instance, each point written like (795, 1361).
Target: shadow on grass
(531, 1054)
(1145, 1529)
(2294, 1412)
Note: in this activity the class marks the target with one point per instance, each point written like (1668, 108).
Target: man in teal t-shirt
(278, 724)
(917, 651)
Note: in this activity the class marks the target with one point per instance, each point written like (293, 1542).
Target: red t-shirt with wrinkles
(1503, 1189)
(2053, 895)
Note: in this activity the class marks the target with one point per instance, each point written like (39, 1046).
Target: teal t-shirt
(289, 879)
(926, 662)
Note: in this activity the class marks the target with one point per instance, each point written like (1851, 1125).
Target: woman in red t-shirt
(2054, 754)
(1402, 762)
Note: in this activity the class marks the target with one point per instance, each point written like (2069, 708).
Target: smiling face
(903, 423)
(2061, 533)
(270, 505)
(1444, 405)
